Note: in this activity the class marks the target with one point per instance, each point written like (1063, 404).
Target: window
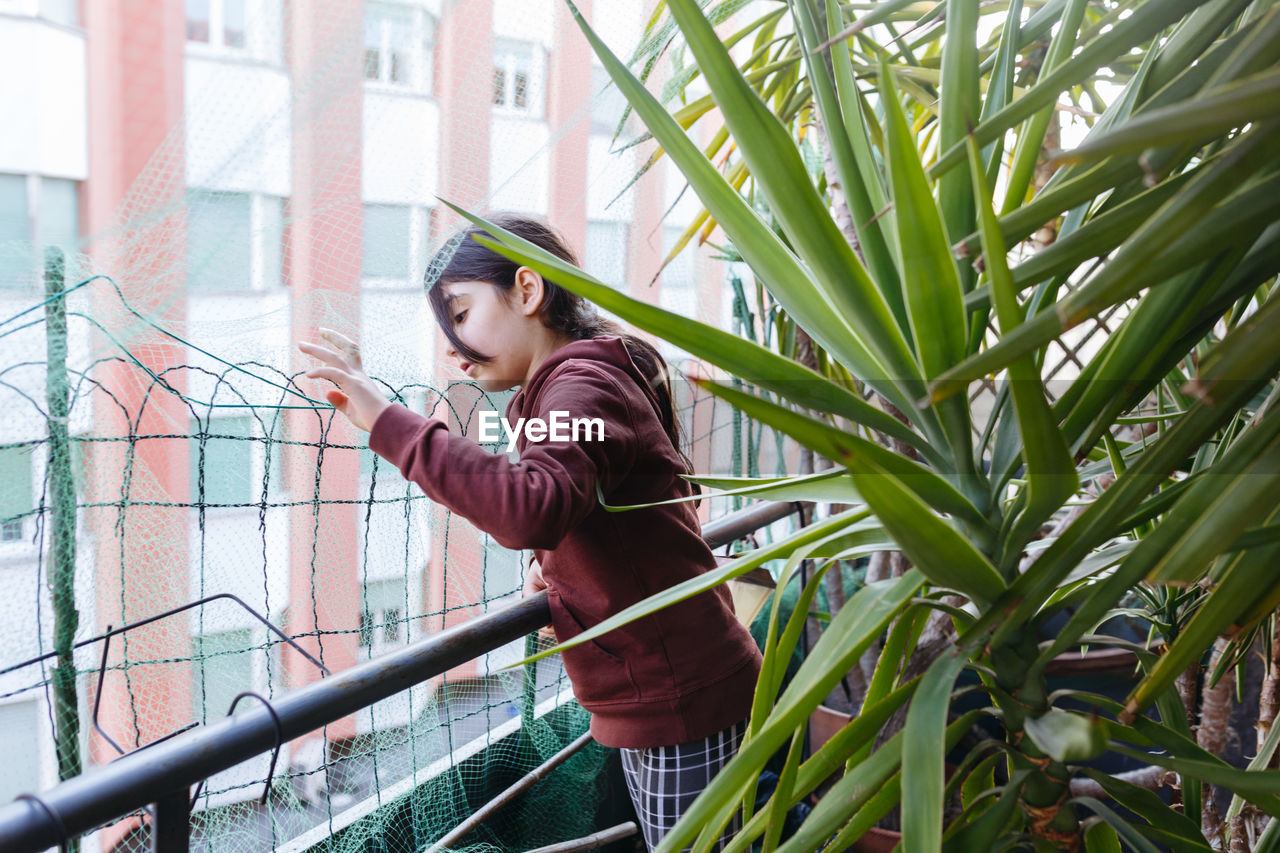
(218, 23)
(516, 76)
(34, 212)
(398, 43)
(382, 616)
(222, 669)
(17, 497)
(607, 104)
(218, 241)
(16, 259)
(386, 244)
(501, 570)
(20, 727)
(606, 252)
(228, 463)
(250, 28)
(58, 11)
(679, 292)
(234, 241)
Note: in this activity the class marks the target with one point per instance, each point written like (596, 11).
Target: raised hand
(356, 396)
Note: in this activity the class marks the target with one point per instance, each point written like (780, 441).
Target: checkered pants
(665, 780)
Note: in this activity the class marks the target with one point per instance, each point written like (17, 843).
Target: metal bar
(521, 785)
(132, 782)
(591, 842)
(173, 611)
(722, 531)
(171, 828)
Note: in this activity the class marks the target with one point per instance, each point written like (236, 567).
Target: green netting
(160, 446)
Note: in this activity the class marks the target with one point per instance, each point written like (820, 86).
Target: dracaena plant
(1047, 501)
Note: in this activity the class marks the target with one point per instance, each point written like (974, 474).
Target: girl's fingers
(325, 354)
(337, 338)
(337, 399)
(344, 344)
(321, 352)
(334, 374)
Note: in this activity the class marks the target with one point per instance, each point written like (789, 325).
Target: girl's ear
(530, 290)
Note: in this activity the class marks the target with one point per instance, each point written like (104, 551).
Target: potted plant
(1169, 208)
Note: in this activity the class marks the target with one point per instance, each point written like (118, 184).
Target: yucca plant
(1049, 501)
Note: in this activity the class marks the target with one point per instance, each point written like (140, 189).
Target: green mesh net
(163, 461)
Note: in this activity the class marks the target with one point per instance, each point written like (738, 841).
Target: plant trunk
(1239, 836)
(1211, 736)
(1269, 697)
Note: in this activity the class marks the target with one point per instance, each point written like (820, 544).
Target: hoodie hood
(607, 348)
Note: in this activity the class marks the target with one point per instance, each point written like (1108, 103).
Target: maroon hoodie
(678, 675)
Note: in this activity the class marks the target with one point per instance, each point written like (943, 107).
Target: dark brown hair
(464, 259)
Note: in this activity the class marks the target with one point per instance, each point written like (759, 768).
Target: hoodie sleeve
(534, 502)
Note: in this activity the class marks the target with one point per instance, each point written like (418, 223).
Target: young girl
(671, 690)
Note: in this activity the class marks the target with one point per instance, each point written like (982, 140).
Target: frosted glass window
(386, 243)
(60, 11)
(222, 670)
(20, 724)
(219, 242)
(515, 84)
(398, 43)
(607, 103)
(272, 237)
(382, 615)
(501, 570)
(58, 215)
(17, 496)
(678, 286)
(606, 252)
(228, 463)
(15, 231)
(233, 23)
(198, 20)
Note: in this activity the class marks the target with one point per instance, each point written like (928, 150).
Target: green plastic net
(161, 454)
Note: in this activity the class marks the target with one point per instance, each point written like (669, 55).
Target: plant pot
(824, 722)
(877, 840)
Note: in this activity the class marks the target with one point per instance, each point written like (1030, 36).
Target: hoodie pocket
(598, 675)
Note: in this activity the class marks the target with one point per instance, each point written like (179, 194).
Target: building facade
(247, 171)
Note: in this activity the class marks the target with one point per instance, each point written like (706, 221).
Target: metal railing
(161, 775)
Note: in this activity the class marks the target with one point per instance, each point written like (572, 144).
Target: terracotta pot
(1096, 661)
(824, 722)
(877, 840)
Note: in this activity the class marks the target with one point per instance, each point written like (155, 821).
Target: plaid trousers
(665, 780)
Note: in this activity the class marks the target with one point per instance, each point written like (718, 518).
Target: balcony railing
(160, 776)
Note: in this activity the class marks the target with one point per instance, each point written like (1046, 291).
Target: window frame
(374, 625)
(217, 30)
(44, 772)
(257, 664)
(423, 27)
(603, 90)
(590, 251)
(262, 221)
(263, 33)
(36, 9)
(35, 466)
(509, 50)
(419, 237)
(256, 438)
(34, 189)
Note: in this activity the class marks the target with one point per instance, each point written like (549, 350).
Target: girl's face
(504, 327)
